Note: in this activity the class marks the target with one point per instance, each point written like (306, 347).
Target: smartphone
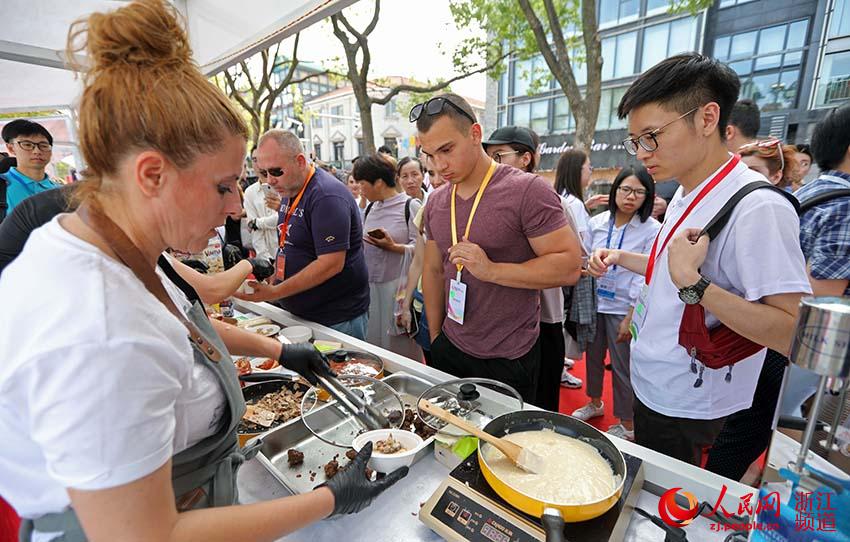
(267, 189)
(376, 234)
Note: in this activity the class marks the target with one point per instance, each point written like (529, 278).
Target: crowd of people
(461, 257)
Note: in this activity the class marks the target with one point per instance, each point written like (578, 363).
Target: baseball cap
(511, 134)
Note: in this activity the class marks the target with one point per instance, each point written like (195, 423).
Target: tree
(564, 33)
(257, 94)
(356, 43)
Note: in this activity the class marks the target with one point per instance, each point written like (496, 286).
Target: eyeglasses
(766, 145)
(628, 191)
(30, 145)
(435, 106)
(497, 156)
(273, 171)
(648, 141)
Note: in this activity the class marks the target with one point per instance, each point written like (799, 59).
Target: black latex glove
(197, 265)
(304, 359)
(231, 255)
(261, 268)
(352, 490)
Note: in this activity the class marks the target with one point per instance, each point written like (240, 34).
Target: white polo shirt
(757, 254)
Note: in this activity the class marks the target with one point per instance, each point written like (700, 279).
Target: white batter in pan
(574, 471)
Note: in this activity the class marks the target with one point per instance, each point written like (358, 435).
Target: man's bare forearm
(547, 271)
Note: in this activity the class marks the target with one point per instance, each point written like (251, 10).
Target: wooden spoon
(522, 457)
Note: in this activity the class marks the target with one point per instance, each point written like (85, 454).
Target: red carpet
(573, 399)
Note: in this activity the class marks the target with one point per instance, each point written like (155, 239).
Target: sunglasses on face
(27, 145)
(435, 106)
(648, 141)
(273, 171)
(766, 145)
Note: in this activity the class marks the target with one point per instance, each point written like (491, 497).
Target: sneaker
(569, 363)
(620, 431)
(570, 381)
(589, 411)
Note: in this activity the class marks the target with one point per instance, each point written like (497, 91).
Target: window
(317, 151)
(500, 118)
(608, 102)
(730, 3)
(390, 109)
(664, 40)
(337, 113)
(612, 12)
(520, 114)
(503, 87)
(392, 143)
(839, 25)
(659, 5)
(316, 121)
(618, 53)
(360, 151)
(339, 151)
(768, 62)
(834, 82)
(563, 121)
(521, 74)
(540, 116)
(528, 71)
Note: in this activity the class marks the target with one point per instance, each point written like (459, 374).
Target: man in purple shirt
(320, 270)
(496, 237)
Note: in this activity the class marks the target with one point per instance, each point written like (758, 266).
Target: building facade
(334, 134)
(793, 58)
(285, 114)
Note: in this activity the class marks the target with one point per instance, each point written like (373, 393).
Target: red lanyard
(730, 165)
(293, 204)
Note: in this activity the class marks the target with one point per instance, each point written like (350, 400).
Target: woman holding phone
(390, 239)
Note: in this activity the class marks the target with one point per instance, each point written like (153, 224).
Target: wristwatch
(692, 295)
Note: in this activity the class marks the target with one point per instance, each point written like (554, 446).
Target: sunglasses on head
(766, 145)
(435, 106)
(273, 171)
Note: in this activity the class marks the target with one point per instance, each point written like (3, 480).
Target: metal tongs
(355, 405)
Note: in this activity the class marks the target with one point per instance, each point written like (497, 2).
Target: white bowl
(388, 463)
(297, 334)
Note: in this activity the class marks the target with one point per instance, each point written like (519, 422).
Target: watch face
(689, 295)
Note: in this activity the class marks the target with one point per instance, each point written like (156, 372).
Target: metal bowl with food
(280, 398)
(354, 363)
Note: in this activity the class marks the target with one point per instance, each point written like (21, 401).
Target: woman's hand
(601, 260)
(596, 201)
(352, 490)
(624, 335)
(384, 243)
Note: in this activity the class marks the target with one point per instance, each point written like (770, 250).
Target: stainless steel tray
(294, 434)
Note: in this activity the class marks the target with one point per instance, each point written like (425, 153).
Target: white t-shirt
(264, 239)
(757, 254)
(636, 237)
(552, 299)
(581, 217)
(98, 384)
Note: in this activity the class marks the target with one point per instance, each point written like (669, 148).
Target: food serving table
(393, 516)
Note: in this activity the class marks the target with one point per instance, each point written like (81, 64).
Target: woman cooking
(112, 421)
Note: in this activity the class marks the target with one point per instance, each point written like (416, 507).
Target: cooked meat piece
(331, 468)
(389, 446)
(409, 415)
(294, 458)
(351, 454)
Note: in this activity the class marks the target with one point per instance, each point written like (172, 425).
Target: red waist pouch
(716, 348)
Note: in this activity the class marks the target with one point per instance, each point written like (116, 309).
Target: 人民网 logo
(674, 515)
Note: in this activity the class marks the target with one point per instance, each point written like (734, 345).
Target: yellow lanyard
(478, 195)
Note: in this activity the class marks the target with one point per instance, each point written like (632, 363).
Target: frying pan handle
(266, 377)
(553, 525)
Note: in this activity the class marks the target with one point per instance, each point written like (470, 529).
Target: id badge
(280, 266)
(639, 314)
(606, 285)
(457, 301)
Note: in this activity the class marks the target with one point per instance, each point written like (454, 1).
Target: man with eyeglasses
(320, 271)
(749, 278)
(495, 237)
(32, 146)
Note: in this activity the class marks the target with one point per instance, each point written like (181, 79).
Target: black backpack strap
(407, 211)
(366, 212)
(178, 281)
(4, 204)
(716, 224)
(823, 198)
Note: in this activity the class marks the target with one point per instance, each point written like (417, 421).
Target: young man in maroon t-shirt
(486, 262)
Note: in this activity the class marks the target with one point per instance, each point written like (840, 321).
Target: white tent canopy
(221, 32)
